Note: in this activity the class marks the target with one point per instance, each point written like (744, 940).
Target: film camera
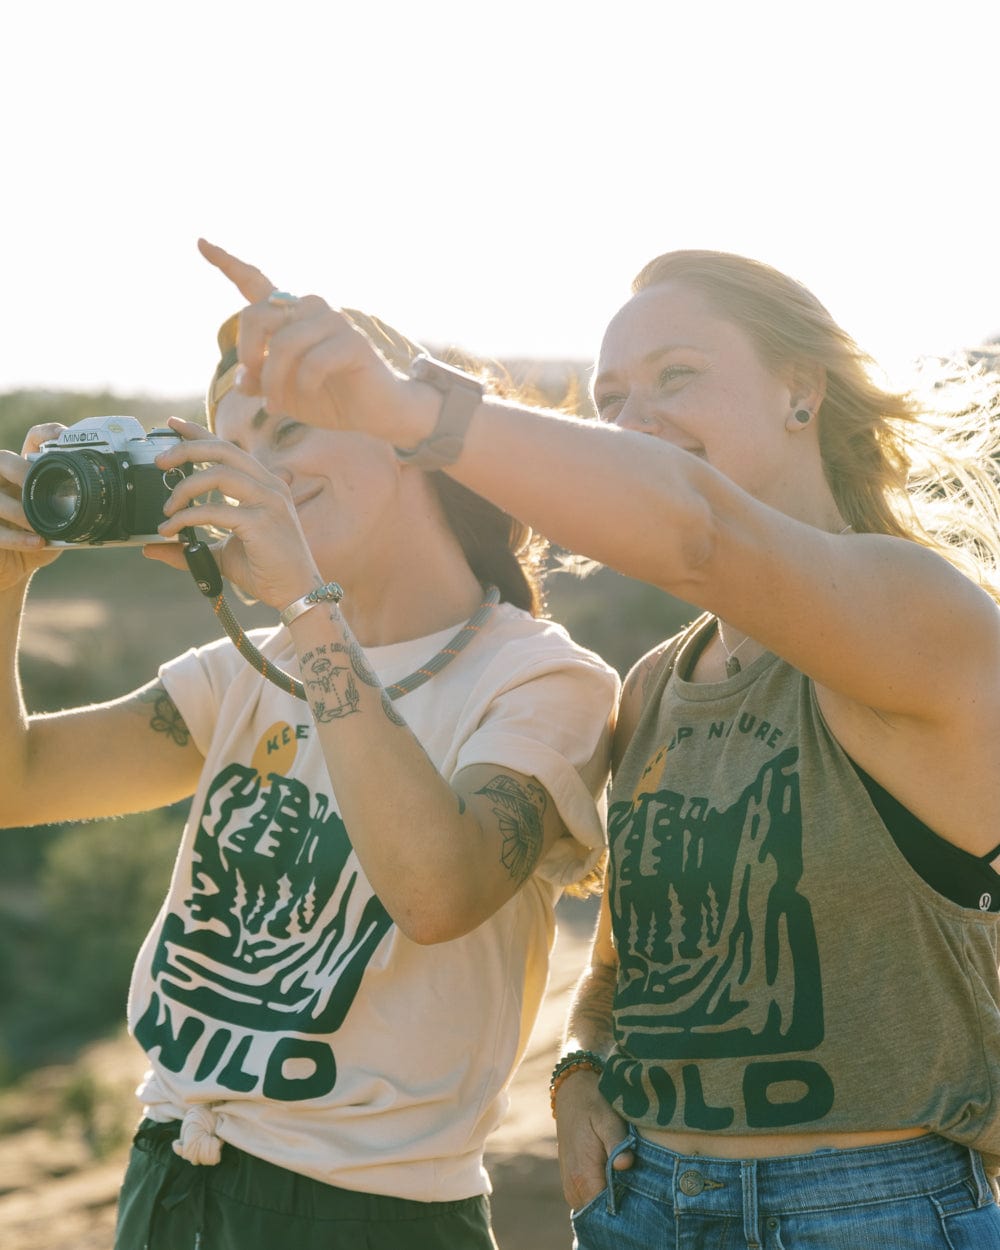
(97, 484)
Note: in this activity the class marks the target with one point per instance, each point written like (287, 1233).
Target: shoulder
(200, 681)
(638, 686)
(220, 658)
(528, 642)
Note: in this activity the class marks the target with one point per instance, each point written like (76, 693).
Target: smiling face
(671, 367)
(345, 486)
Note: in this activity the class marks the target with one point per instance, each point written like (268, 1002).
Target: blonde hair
(919, 463)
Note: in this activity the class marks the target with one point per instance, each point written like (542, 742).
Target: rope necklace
(208, 579)
(397, 689)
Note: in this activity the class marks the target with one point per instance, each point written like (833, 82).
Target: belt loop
(748, 1179)
(627, 1144)
(986, 1192)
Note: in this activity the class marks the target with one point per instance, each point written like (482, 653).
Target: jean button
(692, 1184)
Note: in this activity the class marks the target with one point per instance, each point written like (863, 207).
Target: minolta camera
(97, 484)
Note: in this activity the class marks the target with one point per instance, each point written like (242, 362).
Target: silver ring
(282, 299)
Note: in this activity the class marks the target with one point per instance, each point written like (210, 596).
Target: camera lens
(63, 499)
(72, 497)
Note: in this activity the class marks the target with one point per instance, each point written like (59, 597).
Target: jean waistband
(822, 1178)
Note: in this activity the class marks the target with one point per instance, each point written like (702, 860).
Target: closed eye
(285, 429)
(608, 405)
(673, 375)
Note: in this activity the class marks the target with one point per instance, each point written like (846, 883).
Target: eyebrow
(649, 359)
(256, 421)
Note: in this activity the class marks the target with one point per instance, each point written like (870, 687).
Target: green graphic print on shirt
(718, 957)
(277, 928)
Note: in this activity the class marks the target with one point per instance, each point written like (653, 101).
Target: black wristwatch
(462, 395)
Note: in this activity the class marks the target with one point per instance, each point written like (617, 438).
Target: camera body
(97, 484)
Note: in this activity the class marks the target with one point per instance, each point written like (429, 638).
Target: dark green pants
(243, 1203)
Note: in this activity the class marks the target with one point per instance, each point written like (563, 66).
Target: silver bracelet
(332, 592)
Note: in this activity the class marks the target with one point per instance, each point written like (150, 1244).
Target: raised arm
(652, 509)
(129, 755)
(442, 854)
(896, 639)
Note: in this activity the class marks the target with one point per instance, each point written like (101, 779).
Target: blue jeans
(913, 1195)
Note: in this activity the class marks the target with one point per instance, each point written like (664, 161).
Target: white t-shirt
(274, 989)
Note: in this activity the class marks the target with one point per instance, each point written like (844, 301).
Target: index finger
(39, 434)
(253, 285)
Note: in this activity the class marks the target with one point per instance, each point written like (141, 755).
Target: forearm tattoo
(519, 809)
(359, 662)
(333, 692)
(390, 711)
(166, 719)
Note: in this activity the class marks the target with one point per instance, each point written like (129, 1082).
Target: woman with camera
(789, 1034)
(354, 944)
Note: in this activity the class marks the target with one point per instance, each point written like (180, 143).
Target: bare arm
(442, 857)
(829, 605)
(587, 1127)
(109, 759)
(903, 649)
(129, 755)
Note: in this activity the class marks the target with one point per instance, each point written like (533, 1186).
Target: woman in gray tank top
(789, 1033)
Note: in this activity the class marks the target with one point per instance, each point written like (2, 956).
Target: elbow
(433, 930)
(442, 919)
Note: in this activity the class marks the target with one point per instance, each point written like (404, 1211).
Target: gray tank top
(781, 965)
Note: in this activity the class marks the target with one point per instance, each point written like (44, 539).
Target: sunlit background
(489, 175)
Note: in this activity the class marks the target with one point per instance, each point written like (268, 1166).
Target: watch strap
(462, 394)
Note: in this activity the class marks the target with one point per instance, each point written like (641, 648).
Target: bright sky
(490, 175)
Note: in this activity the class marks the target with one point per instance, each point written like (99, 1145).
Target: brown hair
(917, 463)
(500, 550)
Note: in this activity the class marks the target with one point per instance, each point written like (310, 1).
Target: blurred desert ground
(97, 624)
(59, 1185)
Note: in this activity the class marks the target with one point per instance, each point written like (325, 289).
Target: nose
(635, 415)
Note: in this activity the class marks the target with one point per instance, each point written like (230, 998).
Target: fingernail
(240, 376)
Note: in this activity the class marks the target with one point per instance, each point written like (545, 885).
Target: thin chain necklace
(733, 666)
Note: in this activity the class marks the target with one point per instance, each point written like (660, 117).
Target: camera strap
(205, 571)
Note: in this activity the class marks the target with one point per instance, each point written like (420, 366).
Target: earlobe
(798, 420)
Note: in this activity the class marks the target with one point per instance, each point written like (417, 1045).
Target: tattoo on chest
(166, 719)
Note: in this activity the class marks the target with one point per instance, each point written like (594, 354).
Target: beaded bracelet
(575, 1061)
